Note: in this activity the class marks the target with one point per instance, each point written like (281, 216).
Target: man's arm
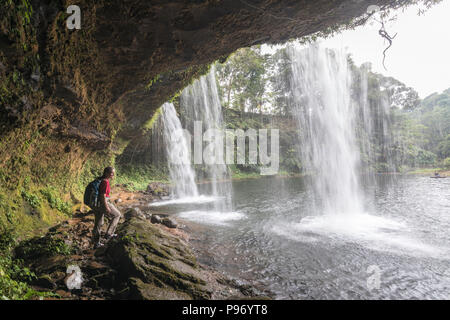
(103, 201)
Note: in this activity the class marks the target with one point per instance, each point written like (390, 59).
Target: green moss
(154, 257)
(55, 202)
(40, 247)
(149, 124)
(153, 81)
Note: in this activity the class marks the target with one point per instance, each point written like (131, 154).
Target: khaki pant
(100, 213)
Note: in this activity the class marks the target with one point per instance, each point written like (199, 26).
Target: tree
(243, 80)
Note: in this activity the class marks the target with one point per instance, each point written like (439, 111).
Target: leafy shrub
(33, 200)
(13, 275)
(446, 163)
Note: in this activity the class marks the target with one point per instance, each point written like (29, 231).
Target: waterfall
(374, 127)
(322, 104)
(200, 102)
(178, 154)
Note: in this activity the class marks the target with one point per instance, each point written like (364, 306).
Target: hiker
(105, 207)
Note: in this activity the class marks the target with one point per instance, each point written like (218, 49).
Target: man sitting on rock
(105, 208)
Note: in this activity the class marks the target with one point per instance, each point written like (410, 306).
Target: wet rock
(155, 264)
(148, 215)
(155, 219)
(170, 223)
(133, 213)
(140, 213)
(158, 189)
(145, 261)
(58, 276)
(45, 281)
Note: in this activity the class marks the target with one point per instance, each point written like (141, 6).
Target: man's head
(109, 173)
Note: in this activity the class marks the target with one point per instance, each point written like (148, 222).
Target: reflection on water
(275, 240)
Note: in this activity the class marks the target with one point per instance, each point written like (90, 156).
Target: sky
(419, 55)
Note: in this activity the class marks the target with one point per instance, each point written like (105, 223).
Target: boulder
(45, 281)
(170, 223)
(155, 219)
(158, 189)
(133, 212)
(155, 264)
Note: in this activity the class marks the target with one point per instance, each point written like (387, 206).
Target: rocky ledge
(144, 261)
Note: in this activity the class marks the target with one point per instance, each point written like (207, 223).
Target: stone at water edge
(155, 219)
(158, 188)
(133, 212)
(170, 223)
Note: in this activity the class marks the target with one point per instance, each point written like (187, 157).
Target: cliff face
(72, 100)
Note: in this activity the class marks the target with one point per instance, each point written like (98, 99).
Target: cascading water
(200, 102)
(321, 100)
(373, 127)
(179, 159)
(329, 118)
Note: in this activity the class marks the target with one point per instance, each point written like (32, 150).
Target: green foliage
(14, 276)
(50, 194)
(138, 177)
(47, 246)
(6, 209)
(290, 161)
(7, 238)
(243, 80)
(443, 147)
(33, 200)
(406, 132)
(446, 163)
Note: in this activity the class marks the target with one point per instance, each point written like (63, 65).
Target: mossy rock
(155, 263)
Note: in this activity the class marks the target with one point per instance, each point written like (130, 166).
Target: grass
(425, 171)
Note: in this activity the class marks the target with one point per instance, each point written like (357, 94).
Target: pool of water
(398, 248)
